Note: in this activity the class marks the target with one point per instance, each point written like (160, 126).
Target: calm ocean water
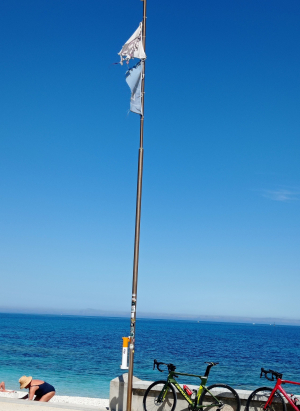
(80, 355)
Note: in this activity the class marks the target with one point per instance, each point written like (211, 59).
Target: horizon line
(89, 312)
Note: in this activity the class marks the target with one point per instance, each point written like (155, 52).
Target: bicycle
(161, 395)
(265, 398)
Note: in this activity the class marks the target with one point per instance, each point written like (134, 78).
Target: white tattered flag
(133, 48)
(134, 81)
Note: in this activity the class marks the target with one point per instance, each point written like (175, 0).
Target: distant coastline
(159, 316)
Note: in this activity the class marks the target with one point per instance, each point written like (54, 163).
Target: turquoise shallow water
(80, 355)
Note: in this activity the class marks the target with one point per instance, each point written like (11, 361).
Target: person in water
(41, 389)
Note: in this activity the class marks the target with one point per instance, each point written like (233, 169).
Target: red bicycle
(265, 398)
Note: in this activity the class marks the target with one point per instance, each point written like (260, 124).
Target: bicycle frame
(283, 392)
(194, 403)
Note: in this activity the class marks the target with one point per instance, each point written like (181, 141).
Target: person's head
(25, 382)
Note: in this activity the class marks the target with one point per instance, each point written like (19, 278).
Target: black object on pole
(137, 227)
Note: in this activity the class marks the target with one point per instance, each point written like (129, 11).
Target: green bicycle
(161, 395)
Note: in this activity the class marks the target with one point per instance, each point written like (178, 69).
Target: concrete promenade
(14, 404)
(118, 396)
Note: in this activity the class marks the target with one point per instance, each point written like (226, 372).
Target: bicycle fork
(162, 395)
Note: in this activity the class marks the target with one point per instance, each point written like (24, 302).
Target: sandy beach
(59, 399)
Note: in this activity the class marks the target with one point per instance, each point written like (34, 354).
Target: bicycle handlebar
(171, 367)
(263, 373)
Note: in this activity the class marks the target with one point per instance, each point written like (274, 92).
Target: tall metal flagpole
(137, 227)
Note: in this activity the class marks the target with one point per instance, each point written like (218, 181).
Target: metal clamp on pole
(124, 365)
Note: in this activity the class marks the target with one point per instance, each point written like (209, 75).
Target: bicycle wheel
(259, 397)
(219, 397)
(152, 402)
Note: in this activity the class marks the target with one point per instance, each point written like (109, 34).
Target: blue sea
(80, 355)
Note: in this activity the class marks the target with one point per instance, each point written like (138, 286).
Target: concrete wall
(118, 395)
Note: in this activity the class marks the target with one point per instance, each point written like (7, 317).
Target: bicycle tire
(227, 396)
(264, 393)
(150, 400)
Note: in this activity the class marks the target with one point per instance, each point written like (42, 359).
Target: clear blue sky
(220, 229)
